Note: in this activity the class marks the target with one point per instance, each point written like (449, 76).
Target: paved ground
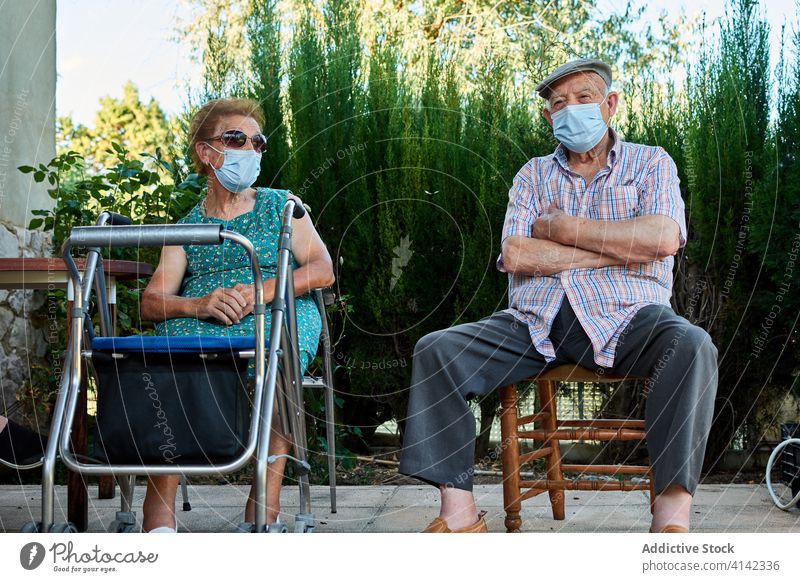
(408, 508)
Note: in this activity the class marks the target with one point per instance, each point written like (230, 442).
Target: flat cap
(578, 65)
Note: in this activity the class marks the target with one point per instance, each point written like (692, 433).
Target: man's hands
(554, 247)
(641, 239)
(551, 224)
(230, 305)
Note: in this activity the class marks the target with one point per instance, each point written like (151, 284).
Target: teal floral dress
(227, 264)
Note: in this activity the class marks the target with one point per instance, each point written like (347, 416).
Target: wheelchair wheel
(64, 527)
(31, 527)
(783, 495)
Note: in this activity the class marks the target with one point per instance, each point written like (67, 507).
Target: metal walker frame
(277, 373)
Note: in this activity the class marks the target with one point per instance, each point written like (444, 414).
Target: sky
(101, 44)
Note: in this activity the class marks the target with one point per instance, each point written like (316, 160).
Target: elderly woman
(208, 290)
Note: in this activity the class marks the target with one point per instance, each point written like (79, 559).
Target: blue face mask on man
(239, 170)
(579, 127)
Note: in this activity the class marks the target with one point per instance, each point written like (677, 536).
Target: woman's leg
(279, 444)
(159, 502)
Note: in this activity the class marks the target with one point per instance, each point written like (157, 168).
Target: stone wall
(23, 336)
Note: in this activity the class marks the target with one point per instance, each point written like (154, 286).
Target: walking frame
(278, 380)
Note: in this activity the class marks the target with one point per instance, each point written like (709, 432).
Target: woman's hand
(225, 305)
(248, 291)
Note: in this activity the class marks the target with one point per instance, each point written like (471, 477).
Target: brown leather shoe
(438, 525)
(672, 528)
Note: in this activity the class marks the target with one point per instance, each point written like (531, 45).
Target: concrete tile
(352, 496)
(401, 519)
(413, 496)
(720, 495)
(752, 518)
(346, 520)
(409, 508)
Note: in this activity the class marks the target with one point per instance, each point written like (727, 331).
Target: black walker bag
(163, 409)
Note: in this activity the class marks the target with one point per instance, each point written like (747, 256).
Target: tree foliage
(402, 125)
(137, 126)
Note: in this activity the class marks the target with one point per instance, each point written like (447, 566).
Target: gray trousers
(451, 365)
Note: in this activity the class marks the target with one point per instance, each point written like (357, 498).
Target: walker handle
(146, 235)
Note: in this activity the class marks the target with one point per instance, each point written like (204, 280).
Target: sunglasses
(235, 138)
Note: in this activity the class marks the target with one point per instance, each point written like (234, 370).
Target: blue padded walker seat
(164, 344)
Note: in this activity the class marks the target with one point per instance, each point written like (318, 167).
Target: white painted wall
(27, 105)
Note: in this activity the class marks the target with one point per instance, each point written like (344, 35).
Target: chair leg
(106, 487)
(510, 453)
(548, 405)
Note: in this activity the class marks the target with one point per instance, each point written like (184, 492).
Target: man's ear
(612, 101)
(548, 116)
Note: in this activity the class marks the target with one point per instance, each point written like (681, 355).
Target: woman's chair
(550, 431)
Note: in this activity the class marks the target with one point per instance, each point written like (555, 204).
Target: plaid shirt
(637, 180)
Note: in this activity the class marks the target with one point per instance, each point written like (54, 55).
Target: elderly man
(588, 244)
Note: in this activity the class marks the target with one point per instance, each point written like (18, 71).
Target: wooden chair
(550, 431)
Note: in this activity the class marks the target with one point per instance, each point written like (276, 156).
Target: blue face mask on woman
(239, 170)
(579, 127)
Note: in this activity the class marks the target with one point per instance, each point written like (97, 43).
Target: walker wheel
(303, 527)
(245, 527)
(31, 527)
(304, 523)
(125, 522)
(277, 527)
(64, 527)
